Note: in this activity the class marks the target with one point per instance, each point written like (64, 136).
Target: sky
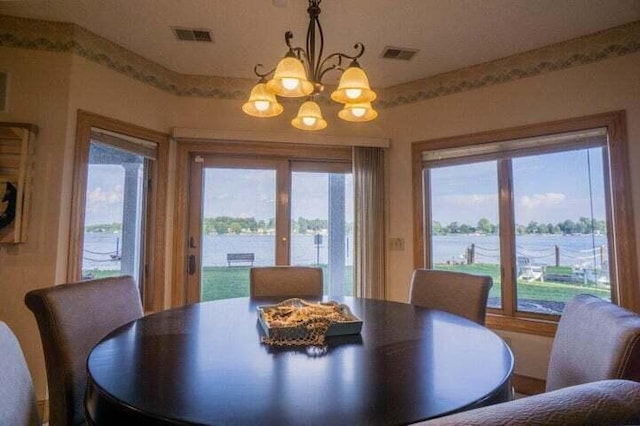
(547, 188)
(228, 192)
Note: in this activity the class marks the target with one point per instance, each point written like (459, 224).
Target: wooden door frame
(189, 148)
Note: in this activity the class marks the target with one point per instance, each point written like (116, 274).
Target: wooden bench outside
(240, 258)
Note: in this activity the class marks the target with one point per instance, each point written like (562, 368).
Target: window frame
(622, 229)
(286, 156)
(153, 286)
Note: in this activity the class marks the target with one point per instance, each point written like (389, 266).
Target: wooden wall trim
(185, 133)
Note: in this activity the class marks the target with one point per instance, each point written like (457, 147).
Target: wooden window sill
(538, 327)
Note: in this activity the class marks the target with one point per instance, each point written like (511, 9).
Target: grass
(533, 290)
(100, 273)
(228, 282)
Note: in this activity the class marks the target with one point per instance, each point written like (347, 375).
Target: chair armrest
(606, 402)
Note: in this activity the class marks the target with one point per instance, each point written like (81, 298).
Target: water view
(102, 249)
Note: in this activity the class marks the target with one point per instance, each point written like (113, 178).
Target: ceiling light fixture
(300, 73)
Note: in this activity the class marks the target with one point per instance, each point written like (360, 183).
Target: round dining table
(205, 364)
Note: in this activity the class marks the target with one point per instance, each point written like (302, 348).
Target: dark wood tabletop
(205, 364)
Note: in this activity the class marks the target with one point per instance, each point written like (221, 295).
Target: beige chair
(72, 318)
(17, 399)
(455, 292)
(286, 281)
(608, 402)
(595, 340)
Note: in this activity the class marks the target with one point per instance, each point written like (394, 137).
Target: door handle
(191, 264)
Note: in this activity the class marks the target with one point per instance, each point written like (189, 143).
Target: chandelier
(299, 74)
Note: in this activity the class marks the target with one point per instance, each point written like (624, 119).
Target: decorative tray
(292, 314)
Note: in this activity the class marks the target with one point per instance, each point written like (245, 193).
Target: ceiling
(450, 34)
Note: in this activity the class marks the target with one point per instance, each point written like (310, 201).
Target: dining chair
(288, 281)
(607, 402)
(455, 292)
(72, 318)
(17, 398)
(595, 340)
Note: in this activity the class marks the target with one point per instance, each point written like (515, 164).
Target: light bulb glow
(290, 83)
(353, 93)
(358, 112)
(261, 105)
(309, 121)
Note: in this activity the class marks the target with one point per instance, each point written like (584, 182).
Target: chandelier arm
(339, 55)
(262, 75)
(311, 47)
(333, 67)
(287, 39)
(317, 63)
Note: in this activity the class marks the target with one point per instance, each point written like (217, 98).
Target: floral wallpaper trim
(614, 42)
(34, 34)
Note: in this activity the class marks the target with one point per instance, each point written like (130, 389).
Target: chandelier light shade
(300, 73)
(309, 117)
(358, 112)
(290, 79)
(353, 87)
(262, 102)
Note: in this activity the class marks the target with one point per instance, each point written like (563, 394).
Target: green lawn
(534, 290)
(228, 282)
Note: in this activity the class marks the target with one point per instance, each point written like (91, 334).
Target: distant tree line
(238, 225)
(235, 225)
(111, 228)
(583, 225)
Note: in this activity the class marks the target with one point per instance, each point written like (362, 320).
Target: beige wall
(38, 93)
(47, 89)
(605, 86)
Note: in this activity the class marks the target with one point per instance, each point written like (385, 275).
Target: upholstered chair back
(607, 402)
(455, 292)
(17, 399)
(595, 340)
(72, 318)
(286, 281)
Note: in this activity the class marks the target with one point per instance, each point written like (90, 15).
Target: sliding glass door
(249, 211)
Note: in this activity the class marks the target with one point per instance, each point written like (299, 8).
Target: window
(118, 205)
(258, 209)
(322, 226)
(114, 212)
(541, 210)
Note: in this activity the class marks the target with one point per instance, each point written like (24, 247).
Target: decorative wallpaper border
(611, 43)
(64, 37)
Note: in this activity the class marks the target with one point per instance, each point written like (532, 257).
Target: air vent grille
(192, 34)
(400, 53)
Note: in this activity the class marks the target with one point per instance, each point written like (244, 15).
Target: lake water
(574, 249)
(100, 246)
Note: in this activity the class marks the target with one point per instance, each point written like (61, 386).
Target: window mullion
(507, 237)
(283, 212)
(427, 249)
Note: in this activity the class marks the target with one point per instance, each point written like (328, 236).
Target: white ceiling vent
(192, 34)
(400, 53)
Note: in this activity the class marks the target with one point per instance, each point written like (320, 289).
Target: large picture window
(540, 210)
